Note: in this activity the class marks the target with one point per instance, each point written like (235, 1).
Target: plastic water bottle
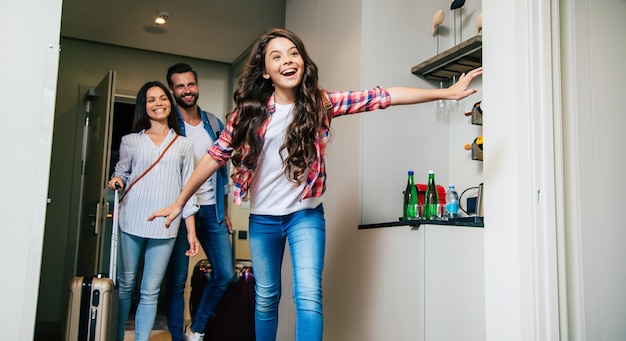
(410, 199)
(452, 202)
(431, 197)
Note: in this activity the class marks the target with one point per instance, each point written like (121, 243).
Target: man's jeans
(215, 240)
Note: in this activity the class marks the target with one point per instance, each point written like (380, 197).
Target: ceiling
(218, 30)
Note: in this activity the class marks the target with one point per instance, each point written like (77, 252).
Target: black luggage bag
(233, 317)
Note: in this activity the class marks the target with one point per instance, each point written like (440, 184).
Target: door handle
(106, 210)
(97, 222)
(99, 215)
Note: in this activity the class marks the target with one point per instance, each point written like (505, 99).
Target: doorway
(124, 111)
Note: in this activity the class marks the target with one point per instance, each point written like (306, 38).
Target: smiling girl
(275, 138)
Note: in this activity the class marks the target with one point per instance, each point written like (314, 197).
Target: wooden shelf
(452, 62)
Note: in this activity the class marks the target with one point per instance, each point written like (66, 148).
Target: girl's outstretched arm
(457, 91)
(203, 171)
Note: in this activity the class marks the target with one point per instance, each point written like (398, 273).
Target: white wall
(506, 173)
(594, 120)
(29, 56)
(397, 35)
(519, 255)
(551, 79)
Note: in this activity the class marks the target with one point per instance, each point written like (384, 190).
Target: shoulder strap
(215, 125)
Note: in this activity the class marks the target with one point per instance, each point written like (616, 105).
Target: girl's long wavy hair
(251, 97)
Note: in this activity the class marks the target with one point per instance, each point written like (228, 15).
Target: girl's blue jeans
(305, 231)
(156, 254)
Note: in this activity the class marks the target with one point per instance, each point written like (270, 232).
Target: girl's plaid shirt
(343, 103)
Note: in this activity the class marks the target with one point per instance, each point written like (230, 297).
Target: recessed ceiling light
(162, 17)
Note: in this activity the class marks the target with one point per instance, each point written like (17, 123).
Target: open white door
(94, 206)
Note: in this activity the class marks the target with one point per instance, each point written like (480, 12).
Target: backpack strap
(215, 126)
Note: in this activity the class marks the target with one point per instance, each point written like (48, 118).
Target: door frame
(122, 96)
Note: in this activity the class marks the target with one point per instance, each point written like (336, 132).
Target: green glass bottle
(431, 197)
(410, 199)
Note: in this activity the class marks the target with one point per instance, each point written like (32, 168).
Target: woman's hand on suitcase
(116, 180)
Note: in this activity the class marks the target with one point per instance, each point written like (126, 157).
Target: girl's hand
(169, 212)
(459, 90)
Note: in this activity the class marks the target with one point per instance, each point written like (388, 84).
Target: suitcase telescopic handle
(114, 230)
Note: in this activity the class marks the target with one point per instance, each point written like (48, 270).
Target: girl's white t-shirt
(271, 192)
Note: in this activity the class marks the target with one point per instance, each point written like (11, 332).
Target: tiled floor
(159, 332)
(156, 335)
(160, 322)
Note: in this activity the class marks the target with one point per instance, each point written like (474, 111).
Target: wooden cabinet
(421, 283)
(391, 284)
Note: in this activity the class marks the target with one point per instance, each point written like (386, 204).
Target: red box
(421, 191)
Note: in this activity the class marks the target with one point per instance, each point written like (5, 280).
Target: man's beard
(183, 104)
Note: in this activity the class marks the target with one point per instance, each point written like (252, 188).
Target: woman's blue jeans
(305, 231)
(215, 240)
(156, 254)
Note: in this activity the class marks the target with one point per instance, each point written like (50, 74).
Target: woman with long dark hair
(154, 137)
